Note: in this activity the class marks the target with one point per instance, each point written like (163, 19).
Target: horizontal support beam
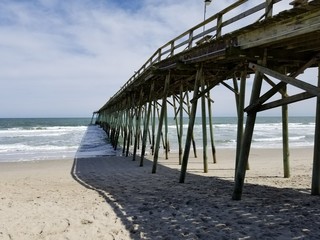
(284, 101)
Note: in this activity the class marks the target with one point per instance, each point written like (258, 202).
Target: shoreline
(41, 199)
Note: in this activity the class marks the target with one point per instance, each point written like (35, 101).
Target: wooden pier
(181, 74)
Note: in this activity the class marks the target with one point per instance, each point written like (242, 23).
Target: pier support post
(240, 105)
(285, 138)
(246, 141)
(166, 141)
(129, 130)
(190, 126)
(213, 148)
(181, 123)
(204, 127)
(146, 126)
(138, 119)
(162, 115)
(315, 186)
(192, 136)
(153, 130)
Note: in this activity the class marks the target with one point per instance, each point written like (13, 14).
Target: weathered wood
(315, 186)
(177, 125)
(189, 114)
(190, 128)
(213, 148)
(240, 113)
(131, 115)
(204, 128)
(288, 28)
(166, 140)
(153, 125)
(290, 80)
(246, 141)
(146, 125)
(181, 123)
(162, 115)
(291, 38)
(285, 139)
(138, 123)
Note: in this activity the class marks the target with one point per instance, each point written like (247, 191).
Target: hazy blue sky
(67, 58)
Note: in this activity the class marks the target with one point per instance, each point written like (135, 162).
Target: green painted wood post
(192, 118)
(162, 115)
(177, 125)
(118, 128)
(153, 126)
(131, 115)
(204, 128)
(241, 102)
(125, 131)
(137, 132)
(181, 123)
(146, 125)
(315, 186)
(161, 134)
(285, 138)
(166, 140)
(246, 141)
(213, 148)
(192, 136)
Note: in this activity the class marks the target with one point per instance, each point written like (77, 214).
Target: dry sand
(114, 198)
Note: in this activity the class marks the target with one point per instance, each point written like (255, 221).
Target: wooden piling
(137, 132)
(181, 123)
(190, 126)
(153, 126)
(246, 141)
(315, 186)
(146, 125)
(241, 102)
(204, 127)
(177, 125)
(213, 148)
(192, 136)
(285, 138)
(162, 115)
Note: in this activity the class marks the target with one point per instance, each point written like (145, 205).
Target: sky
(67, 58)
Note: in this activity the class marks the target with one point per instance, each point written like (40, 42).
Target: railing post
(190, 39)
(172, 49)
(269, 8)
(159, 55)
(219, 25)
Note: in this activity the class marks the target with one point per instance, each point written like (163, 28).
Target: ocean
(61, 138)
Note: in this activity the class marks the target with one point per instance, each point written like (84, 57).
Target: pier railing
(209, 29)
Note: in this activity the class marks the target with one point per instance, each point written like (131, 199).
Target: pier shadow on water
(156, 206)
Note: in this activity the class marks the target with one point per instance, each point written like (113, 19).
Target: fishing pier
(178, 77)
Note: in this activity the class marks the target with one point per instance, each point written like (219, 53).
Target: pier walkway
(275, 48)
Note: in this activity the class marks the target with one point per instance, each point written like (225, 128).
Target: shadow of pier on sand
(156, 206)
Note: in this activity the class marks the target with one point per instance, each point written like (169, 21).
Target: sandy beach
(114, 198)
